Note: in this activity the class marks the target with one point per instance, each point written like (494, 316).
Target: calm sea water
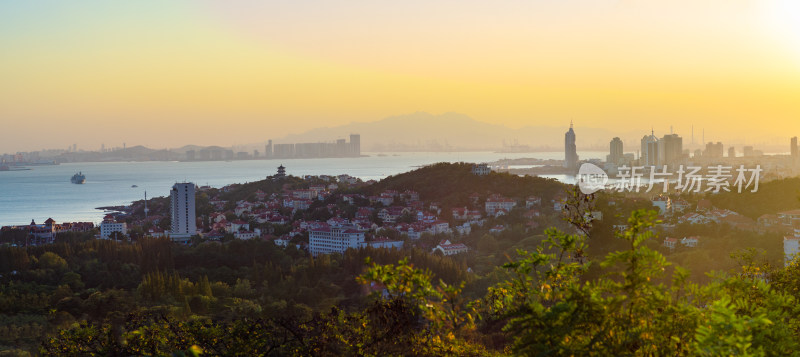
(45, 191)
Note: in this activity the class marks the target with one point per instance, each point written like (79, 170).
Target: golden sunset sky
(170, 73)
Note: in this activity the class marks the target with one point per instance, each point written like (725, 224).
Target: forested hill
(772, 197)
(451, 184)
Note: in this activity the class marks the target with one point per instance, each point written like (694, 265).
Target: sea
(46, 191)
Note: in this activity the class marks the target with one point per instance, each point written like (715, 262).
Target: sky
(169, 73)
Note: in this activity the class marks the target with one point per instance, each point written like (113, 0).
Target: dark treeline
(51, 287)
(542, 302)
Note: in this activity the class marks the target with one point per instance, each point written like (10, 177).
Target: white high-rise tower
(183, 211)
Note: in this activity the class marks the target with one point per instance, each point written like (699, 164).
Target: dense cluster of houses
(390, 213)
(787, 223)
(48, 231)
(357, 220)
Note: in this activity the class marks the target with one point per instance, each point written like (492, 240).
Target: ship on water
(78, 178)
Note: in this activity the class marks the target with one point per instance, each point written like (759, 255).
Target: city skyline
(136, 72)
(487, 138)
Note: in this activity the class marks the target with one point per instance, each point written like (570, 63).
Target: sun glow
(782, 18)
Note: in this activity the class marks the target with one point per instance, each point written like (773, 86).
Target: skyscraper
(714, 150)
(649, 154)
(670, 149)
(570, 150)
(355, 145)
(795, 153)
(183, 211)
(616, 151)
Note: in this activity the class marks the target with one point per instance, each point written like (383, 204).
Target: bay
(46, 192)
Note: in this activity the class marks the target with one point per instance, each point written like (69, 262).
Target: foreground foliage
(544, 305)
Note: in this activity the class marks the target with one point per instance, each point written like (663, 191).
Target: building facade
(713, 150)
(616, 154)
(184, 220)
(107, 228)
(670, 150)
(338, 148)
(649, 154)
(328, 240)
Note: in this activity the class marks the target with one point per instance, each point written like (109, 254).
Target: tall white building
(183, 211)
(329, 240)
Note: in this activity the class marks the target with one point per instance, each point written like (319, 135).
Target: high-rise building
(747, 151)
(355, 144)
(649, 153)
(731, 152)
(714, 150)
(795, 153)
(268, 149)
(616, 153)
(670, 150)
(184, 221)
(570, 150)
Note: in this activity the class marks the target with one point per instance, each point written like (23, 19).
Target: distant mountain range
(451, 131)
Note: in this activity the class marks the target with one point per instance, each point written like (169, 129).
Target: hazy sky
(169, 73)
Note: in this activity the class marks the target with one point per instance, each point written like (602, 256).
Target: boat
(132, 186)
(78, 178)
(5, 168)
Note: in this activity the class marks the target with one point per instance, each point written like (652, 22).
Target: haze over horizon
(215, 73)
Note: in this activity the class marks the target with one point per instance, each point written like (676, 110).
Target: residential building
(108, 227)
(714, 151)
(496, 203)
(664, 204)
(789, 218)
(616, 154)
(689, 242)
(383, 242)
(327, 240)
(670, 150)
(533, 201)
(337, 148)
(481, 169)
(446, 248)
(184, 220)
